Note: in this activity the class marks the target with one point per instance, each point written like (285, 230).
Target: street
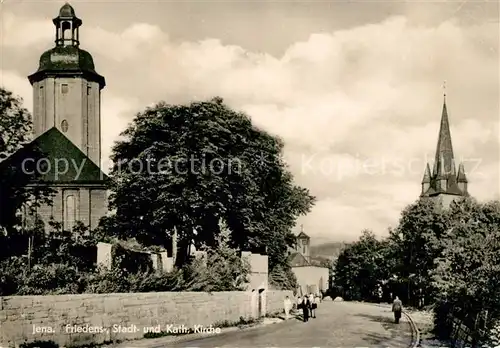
(337, 324)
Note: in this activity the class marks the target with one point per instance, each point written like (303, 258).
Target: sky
(355, 89)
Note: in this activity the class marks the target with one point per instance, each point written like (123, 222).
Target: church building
(312, 276)
(444, 184)
(67, 129)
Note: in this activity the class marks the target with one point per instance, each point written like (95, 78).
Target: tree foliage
(417, 238)
(359, 269)
(221, 269)
(203, 162)
(467, 272)
(447, 258)
(16, 131)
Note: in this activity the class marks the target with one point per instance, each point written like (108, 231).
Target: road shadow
(387, 322)
(292, 317)
(391, 329)
(377, 318)
(374, 339)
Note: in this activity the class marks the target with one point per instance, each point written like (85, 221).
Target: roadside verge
(162, 342)
(415, 331)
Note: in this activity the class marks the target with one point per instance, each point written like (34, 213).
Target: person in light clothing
(287, 304)
(314, 305)
(311, 297)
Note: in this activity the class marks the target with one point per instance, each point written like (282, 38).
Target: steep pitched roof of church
(461, 173)
(297, 260)
(444, 162)
(427, 175)
(57, 151)
(302, 235)
(444, 178)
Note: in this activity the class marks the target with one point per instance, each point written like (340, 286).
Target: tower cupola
(67, 58)
(67, 27)
(67, 89)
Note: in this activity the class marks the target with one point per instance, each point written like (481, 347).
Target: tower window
(64, 126)
(89, 89)
(64, 88)
(66, 30)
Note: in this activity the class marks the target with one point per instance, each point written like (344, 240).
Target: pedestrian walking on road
(299, 303)
(311, 301)
(287, 304)
(314, 305)
(397, 308)
(306, 305)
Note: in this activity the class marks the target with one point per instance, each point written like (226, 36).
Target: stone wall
(59, 317)
(275, 298)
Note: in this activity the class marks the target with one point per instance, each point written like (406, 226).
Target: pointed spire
(444, 163)
(461, 174)
(427, 175)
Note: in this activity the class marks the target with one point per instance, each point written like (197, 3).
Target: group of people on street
(309, 303)
(306, 303)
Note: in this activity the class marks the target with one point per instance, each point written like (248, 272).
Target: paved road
(338, 324)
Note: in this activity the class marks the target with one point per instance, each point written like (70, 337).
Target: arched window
(66, 31)
(69, 213)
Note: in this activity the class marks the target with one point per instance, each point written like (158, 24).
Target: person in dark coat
(306, 307)
(397, 308)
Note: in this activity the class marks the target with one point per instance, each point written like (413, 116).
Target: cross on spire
(444, 88)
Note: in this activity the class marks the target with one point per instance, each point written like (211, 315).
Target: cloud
(358, 108)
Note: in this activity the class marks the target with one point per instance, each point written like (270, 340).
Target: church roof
(461, 174)
(302, 235)
(56, 160)
(444, 178)
(298, 260)
(427, 175)
(67, 60)
(67, 11)
(444, 162)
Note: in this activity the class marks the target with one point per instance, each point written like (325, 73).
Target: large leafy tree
(201, 163)
(360, 268)
(467, 273)
(417, 242)
(15, 131)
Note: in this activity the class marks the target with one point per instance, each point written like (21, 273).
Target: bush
(77, 248)
(222, 269)
(104, 281)
(131, 261)
(51, 279)
(155, 282)
(63, 263)
(282, 278)
(11, 274)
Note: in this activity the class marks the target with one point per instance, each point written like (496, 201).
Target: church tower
(444, 184)
(67, 89)
(67, 131)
